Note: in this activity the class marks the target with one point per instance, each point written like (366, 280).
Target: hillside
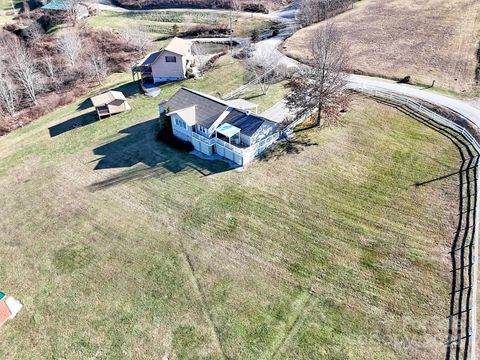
(433, 40)
(199, 4)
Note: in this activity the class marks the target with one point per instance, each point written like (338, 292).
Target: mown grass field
(428, 40)
(159, 24)
(7, 4)
(120, 247)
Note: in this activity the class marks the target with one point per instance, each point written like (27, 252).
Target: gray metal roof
(150, 59)
(248, 123)
(207, 108)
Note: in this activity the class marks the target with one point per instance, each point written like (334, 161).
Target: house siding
(263, 132)
(169, 71)
(203, 148)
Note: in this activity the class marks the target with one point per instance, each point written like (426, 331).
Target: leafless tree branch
(70, 45)
(320, 88)
(24, 68)
(264, 66)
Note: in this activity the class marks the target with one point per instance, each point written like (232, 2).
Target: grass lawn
(120, 247)
(160, 23)
(433, 40)
(4, 20)
(276, 91)
(7, 4)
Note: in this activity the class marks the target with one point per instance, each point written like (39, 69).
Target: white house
(218, 128)
(168, 64)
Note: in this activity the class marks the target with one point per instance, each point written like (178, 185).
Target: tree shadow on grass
(145, 157)
(292, 146)
(252, 97)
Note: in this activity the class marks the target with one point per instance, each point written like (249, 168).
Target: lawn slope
(120, 247)
(159, 24)
(428, 40)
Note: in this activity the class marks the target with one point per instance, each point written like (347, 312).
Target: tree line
(313, 11)
(39, 72)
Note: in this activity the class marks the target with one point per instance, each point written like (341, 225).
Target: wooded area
(40, 72)
(314, 11)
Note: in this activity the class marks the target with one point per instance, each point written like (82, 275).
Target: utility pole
(13, 6)
(231, 31)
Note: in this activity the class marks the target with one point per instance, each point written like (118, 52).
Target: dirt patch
(432, 40)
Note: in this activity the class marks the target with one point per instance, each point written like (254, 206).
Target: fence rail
(439, 119)
(242, 88)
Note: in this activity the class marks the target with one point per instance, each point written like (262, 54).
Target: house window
(180, 123)
(172, 59)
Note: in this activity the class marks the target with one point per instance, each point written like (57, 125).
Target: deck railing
(249, 152)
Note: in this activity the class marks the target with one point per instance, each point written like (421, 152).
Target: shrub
(255, 35)
(175, 30)
(406, 80)
(206, 29)
(166, 136)
(259, 8)
(190, 74)
(51, 19)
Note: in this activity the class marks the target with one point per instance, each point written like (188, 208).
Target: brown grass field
(428, 40)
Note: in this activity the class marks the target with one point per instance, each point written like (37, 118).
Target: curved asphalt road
(469, 112)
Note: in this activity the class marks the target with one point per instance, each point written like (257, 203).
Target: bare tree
(202, 57)
(9, 96)
(235, 5)
(73, 10)
(26, 8)
(320, 88)
(70, 45)
(14, 11)
(24, 68)
(34, 31)
(263, 65)
(98, 66)
(137, 38)
(51, 70)
(313, 11)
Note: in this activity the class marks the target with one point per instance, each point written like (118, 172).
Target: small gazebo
(110, 103)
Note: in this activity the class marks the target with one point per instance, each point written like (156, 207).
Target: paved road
(463, 108)
(469, 112)
(278, 112)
